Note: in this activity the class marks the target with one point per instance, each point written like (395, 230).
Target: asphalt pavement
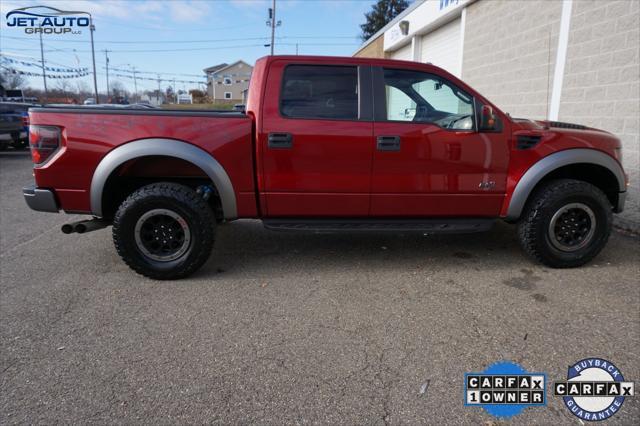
(282, 328)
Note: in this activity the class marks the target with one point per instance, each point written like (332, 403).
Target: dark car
(14, 125)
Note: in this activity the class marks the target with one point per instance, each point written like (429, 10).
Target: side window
(426, 98)
(325, 92)
(400, 107)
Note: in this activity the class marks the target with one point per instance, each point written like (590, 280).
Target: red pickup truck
(327, 144)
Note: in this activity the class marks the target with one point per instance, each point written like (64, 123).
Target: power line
(176, 50)
(220, 40)
(164, 28)
(159, 73)
(200, 49)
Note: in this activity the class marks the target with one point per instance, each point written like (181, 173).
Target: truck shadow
(245, 247)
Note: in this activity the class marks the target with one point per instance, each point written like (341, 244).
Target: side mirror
(488, 119)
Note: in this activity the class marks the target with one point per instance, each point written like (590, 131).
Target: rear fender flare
(546, 165)
(168, 148)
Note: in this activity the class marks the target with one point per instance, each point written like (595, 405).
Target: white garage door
(441, 47)
(403, 54)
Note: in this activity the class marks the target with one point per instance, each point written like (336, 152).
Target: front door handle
(280, 141)
(388, 143)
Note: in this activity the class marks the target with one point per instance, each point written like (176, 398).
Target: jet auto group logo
(48, 20)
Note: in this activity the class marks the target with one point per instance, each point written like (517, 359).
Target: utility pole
(44, 73)
(296, 49)
(92, 28)
(273, 24)
(159, 92)
(106, 57)
(135, 83)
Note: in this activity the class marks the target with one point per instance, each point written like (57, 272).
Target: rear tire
(566, 223)
(164, 231)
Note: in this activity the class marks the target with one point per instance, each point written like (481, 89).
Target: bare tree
(118, 89)
(11, 80)
(82, 88)
(63, 85)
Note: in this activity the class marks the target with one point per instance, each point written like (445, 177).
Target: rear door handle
(388, 143)
(280, 140)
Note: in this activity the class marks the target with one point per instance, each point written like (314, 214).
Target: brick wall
(602, 81)
(375, 49)
(510, 51)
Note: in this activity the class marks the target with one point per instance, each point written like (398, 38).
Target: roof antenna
(546, 126)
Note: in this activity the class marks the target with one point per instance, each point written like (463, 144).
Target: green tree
(381, 14)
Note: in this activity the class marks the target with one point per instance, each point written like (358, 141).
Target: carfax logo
(53, 21)
(595, 389)
(505, 389)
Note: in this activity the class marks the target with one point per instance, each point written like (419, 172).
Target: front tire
(566, 223)
(164, 231)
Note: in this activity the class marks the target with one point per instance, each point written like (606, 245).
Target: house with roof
(228, 83)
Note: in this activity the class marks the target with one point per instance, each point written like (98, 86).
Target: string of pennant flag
(156, 79)
(129, 70)
(36, 74)
(78, 71)
(66, 72)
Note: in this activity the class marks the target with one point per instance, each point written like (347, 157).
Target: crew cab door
(429, 159)
(316, 140)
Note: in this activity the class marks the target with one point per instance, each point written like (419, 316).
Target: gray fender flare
(169, 148)
(554, 161)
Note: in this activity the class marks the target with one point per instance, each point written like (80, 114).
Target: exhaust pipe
(67, 228)
(84, 226)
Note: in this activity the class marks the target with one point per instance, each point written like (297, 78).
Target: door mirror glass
(488, 120)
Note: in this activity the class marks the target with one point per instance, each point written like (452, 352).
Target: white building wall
(404, 53)
(510, 52)
(441, 47)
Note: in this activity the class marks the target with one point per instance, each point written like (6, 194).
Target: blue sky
(224, 30)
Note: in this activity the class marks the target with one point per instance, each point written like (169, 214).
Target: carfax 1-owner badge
(594, 390)
(505, 389)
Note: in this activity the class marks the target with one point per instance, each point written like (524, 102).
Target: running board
(431, 226)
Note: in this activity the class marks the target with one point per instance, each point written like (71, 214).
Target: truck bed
(90, 133)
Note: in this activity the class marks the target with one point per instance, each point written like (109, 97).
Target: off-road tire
(533, 227)
(179, 199)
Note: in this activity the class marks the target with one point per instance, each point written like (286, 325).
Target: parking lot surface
(295, 328)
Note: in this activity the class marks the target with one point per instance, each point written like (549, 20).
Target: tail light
(43, 141)
(25, 120)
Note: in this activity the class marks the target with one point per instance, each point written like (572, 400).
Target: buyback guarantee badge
(594, 390)
(505, 389)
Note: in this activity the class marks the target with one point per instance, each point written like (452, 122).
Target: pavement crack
(47, 231)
